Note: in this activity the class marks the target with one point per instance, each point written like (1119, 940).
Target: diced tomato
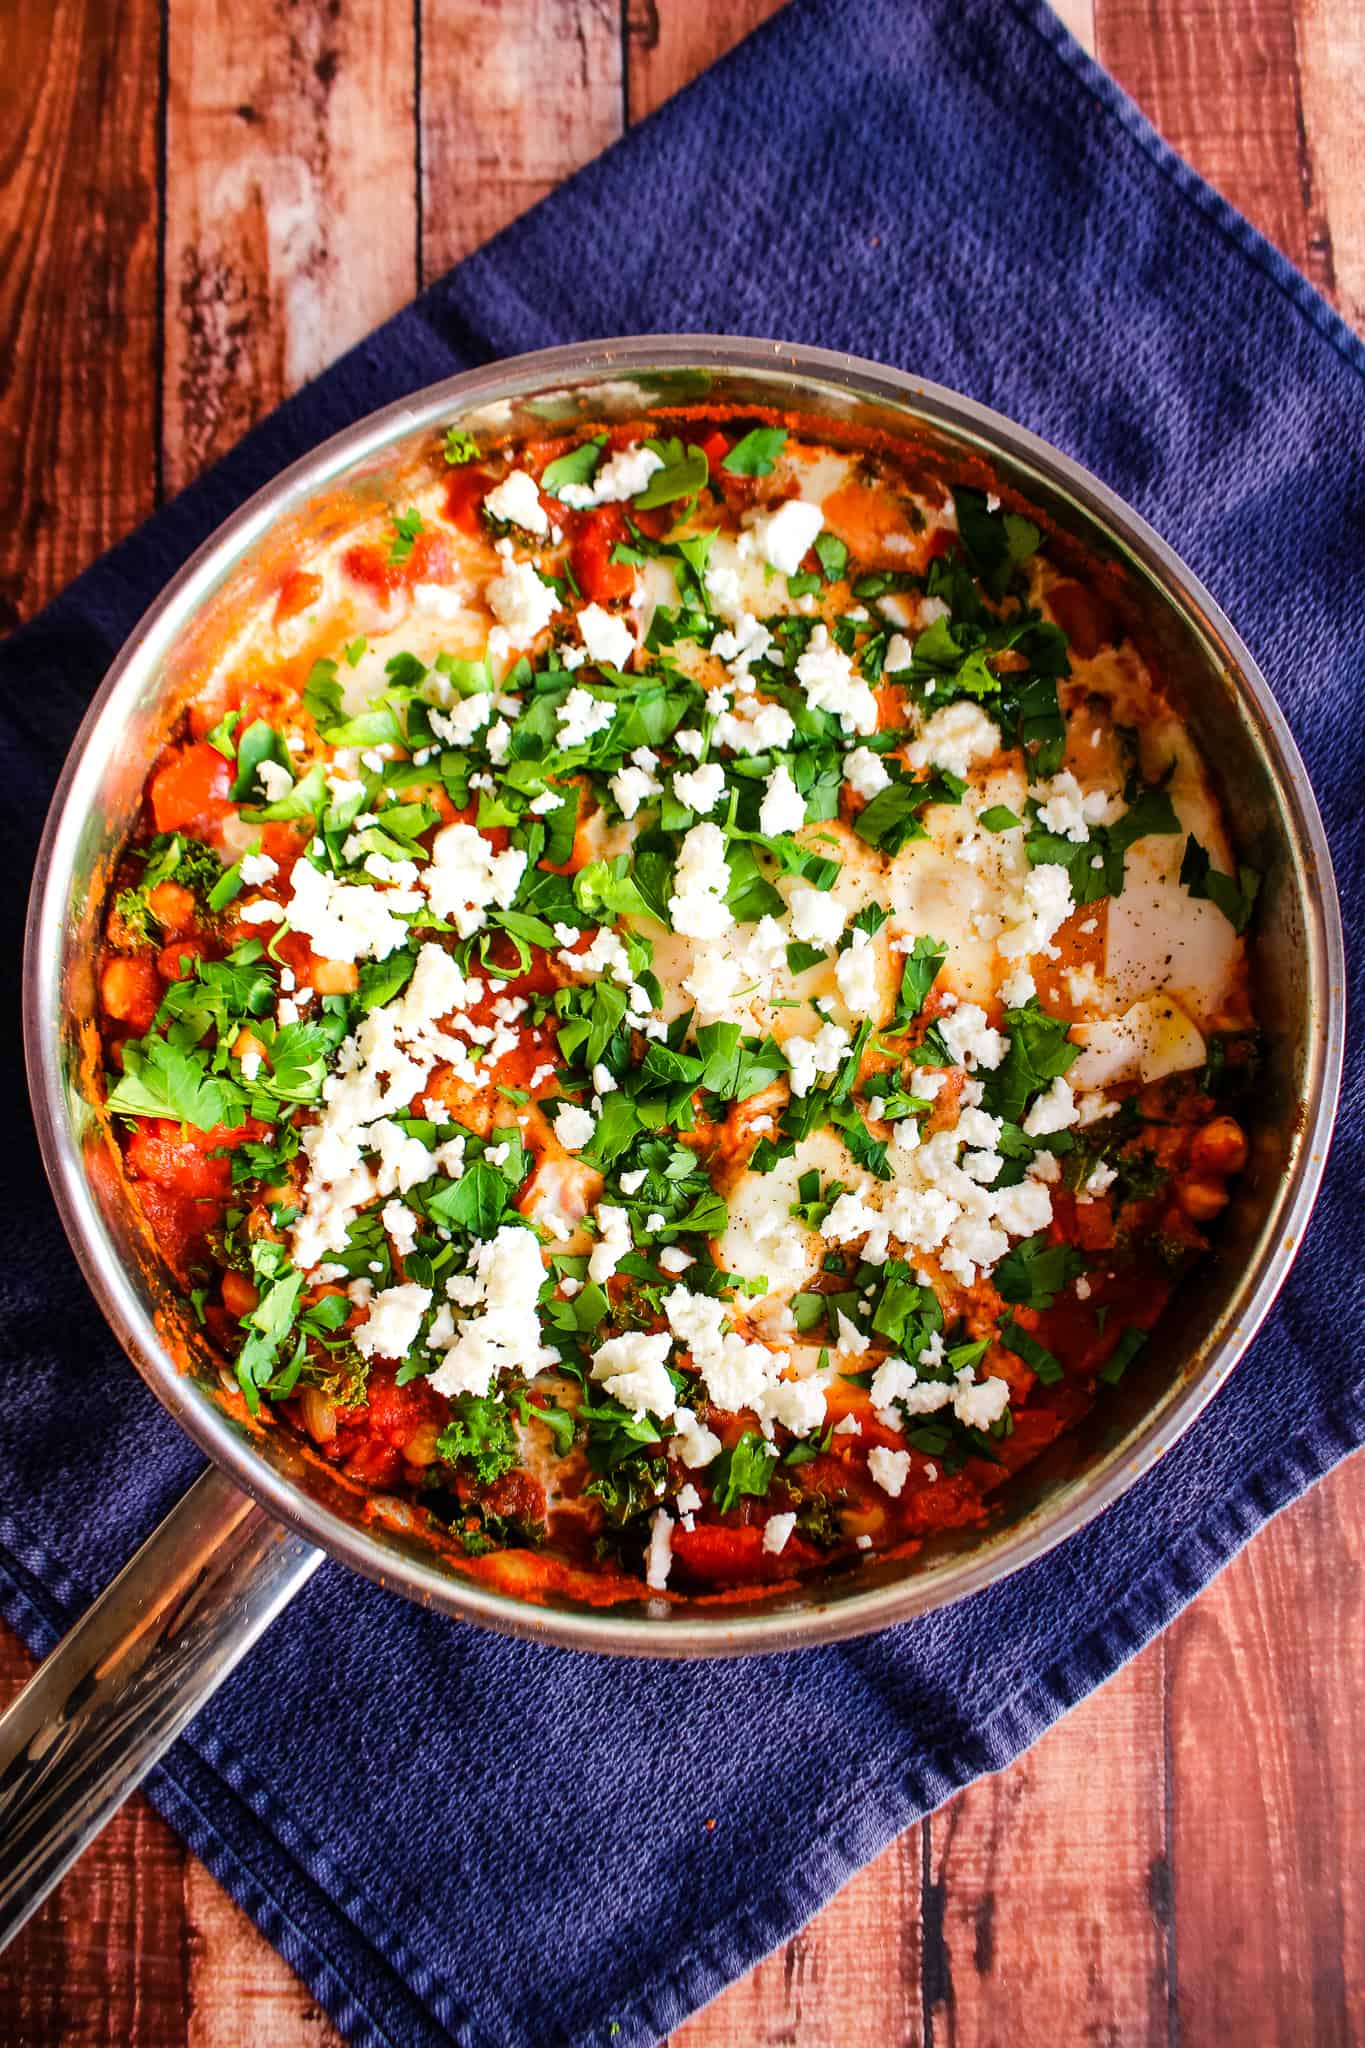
(179, 1223)
(299, 589)
(599, 578)
(429, 561)
(370, 1440)
(191, 789)
(181, 1158)
(177, 951)
(714, 1554)
(466, 489)
(130, 990)
(715, 448)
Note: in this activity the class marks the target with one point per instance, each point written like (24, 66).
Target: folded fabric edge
(872, 1815)
(1105, 89)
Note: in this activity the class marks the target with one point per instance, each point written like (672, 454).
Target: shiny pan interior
(1271, 815)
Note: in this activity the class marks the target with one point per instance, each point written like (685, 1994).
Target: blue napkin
(456, 1838)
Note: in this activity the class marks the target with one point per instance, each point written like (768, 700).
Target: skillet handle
(136, 1668)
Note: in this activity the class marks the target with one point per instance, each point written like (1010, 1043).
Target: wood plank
(242, 1994)
(515, 94)
(291, 225)
(852, 1976)
(1268, 1803)
(1219, 79)
(78, 286)
(1046, 1903)
(1331, 52)
(103, 1963)
(669, 41)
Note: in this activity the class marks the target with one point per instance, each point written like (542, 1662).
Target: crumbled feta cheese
(573, 1126)
(756, 727)
(856, 973)
(969, 1038)
(465, 878)
(581, 715)
(633, 1369)
(348, 921)
(256, 868)
(701, 789)
(787, 535)
(890, 1469)
(659, 1555)
(505, 1332)
(520, 600)
(979, 1405)
(264, 910)
(623, 475)
(394, 1320)
(783, 808)
(613, 1242)
(607, 638)
(694, 1443)
(632, 786)
(697, 906)
(811, 1057)
(1055, 1110)
(777, 1532)
(517, 500)
(826, 675)
(1017, 989)
(955, 737)
(865, 773)
(818, 917)
(275, 780)
(1037, 913)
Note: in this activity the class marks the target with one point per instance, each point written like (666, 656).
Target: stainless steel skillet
(259, 1521)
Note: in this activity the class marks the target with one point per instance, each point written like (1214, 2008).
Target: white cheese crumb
(697, 907)
(865, 773)
(826, 675)
(777, 1532)
(955, 737)
(521, 601)
(623, 475)
(700, 789)
(783, 808)
(890, 1469)
(659, 1556)
(395, 1318)
(785, 536)
(573, 1126)
(607, 638)
(517, 500)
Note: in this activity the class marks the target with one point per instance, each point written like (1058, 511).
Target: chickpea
(172, 906)
(335, 977)
(173, 954)
(1220, 1148)
(1202, 1199)
(420, 1448)
(240, 1295)
(130, 991)
(319, 1415)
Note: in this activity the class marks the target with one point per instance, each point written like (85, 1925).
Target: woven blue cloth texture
(457, 1838)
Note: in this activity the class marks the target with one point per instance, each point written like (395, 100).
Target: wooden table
(201, 205)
